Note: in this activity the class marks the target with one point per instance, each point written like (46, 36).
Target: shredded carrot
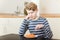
(30, 35)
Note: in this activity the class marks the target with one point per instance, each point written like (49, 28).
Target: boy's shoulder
(42, 18)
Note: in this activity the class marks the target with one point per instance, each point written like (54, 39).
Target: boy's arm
(23, 27)
(47, 30)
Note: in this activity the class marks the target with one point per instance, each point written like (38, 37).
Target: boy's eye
(29, 9)
(33, 9)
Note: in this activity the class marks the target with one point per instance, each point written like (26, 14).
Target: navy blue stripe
(33, 23)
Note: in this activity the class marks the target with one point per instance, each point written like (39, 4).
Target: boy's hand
(27, 17)
(39, 26)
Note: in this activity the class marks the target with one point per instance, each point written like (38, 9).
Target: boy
(36, 25)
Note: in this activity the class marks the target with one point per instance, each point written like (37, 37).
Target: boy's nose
(31, 11)
(29, 14)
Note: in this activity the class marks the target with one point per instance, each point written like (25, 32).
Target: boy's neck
(35, 18)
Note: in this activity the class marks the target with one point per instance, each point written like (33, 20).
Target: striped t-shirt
(31, 24)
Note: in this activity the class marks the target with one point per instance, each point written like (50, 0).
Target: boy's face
(32, 13)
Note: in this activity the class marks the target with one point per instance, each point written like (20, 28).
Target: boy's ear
(36, 9)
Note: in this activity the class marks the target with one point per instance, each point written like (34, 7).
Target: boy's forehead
(30, 10)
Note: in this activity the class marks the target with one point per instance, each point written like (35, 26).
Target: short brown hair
(30, 6)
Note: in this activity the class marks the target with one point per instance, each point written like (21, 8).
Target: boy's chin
(30, 18)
